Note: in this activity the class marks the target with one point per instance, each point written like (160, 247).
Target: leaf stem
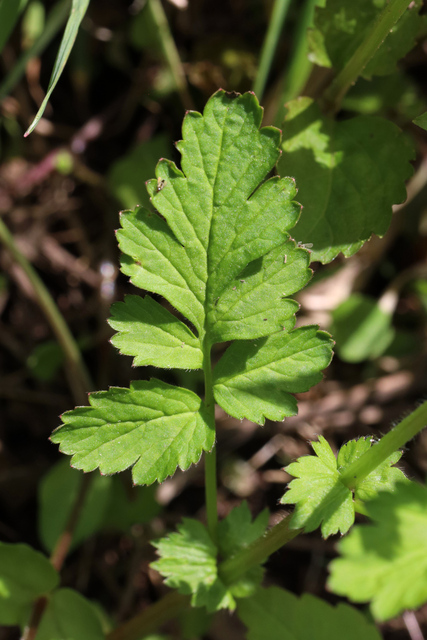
(210, 458)
(298, 70)
(381, 27)
(171, 53)
(151, 618)
(391, 442)
(76, 372)
(275, 26)
(258, 552)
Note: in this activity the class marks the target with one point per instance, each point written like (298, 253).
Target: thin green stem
(391, 442)
(75, 369)
(56, 19)
(258, 552)
(210, 458)
(300, 66)
(381, 27)
(229, 571)
(275, 26)
(151, 618)
(170, 52)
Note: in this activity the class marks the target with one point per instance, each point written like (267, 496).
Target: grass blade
(77, 13)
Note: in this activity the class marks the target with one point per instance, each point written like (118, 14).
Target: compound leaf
(277, 614)
(69, 616)
(349, 174)
(153, 427)
(255, 380)
(188, 558)
(153, 335)
(218, 249)
(25, 575)
(386, 562)
(321, 498)
(340, 27)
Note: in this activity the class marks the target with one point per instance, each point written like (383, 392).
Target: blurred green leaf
(349, 174)
(45, 360)
(58, 491)
(33, 23)
(341, 26)
(77, 13)
(25, 574)
(69, 616)
(421, 121)
(362, 330)
(386, 562)
(276, 614)
(10, 10)
(127, 176)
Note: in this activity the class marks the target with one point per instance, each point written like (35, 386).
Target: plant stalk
(391, 442)
(229, 571)
(151, 618)
(299, 68)
(77, 374)
(333, 96)
(258, 552)
(171, 53)
(275, 27)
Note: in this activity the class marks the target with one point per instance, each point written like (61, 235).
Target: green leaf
(57, 493)
(254, 380)
(69, 616)
(129, 505)
(237, 530)
(10, 10)
(127, 176)
(153, 335)
(277, 614)
(342, 26)
(255, 303)
(361, 328)
(386, 562)
(188, 563)
(217, 220)
(153, 427)
(421, 121)
(188, 558)
(25, 575)
(78, 10)
(321, 498)
(349, 174)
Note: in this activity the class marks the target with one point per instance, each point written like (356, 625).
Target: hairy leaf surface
(188, 558)
(25, 574)
(386, 562)
(153, 427)
(341, 27)
(321, 498)
(277, 614)
(349, 174)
